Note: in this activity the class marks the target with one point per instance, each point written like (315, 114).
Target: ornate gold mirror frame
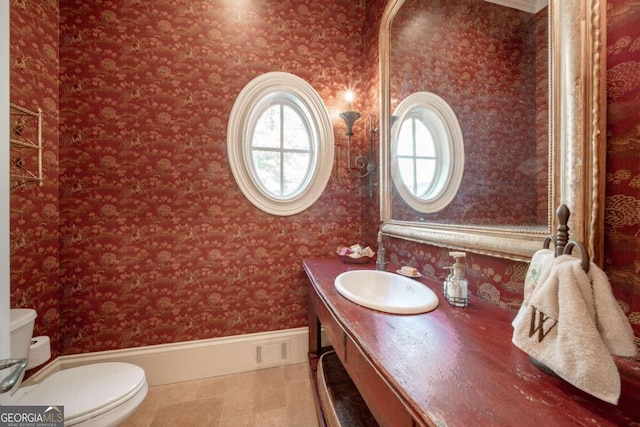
(577, 145)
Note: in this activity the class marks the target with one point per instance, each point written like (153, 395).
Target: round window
(427, 152)
(280, 143)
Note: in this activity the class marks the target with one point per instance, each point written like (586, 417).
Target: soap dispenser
(456, 288)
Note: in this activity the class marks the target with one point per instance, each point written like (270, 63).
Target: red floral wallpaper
(141, 236)
(34, 209)
(158, 244)
(369, 185)
(491, 80)
(622, 215)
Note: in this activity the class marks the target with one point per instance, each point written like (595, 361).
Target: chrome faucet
(381, 260)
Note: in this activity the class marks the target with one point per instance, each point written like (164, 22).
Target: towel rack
(561, 242)
(562, 246)
(25, 143)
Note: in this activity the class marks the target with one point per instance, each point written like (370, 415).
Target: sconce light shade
(350, 118)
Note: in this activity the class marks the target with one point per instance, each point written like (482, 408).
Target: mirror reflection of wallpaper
(501, 281)
(490, 64)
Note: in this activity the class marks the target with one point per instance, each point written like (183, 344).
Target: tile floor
(280, 396)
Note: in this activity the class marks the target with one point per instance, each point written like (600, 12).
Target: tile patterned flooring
(279, 396)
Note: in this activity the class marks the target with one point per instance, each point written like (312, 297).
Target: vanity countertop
(458, 367)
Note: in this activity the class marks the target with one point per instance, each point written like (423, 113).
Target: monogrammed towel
(573, 324)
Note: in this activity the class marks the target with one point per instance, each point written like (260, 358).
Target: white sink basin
(384, 291)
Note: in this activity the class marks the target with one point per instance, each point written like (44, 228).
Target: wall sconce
(362, 165)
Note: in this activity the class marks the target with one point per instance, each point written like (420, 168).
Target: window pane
(267, 166)
(408, 173)
(295, 132)
(296, 166)
(426, 171)
(281, 179)
(281, 172)
(405, 139)
(425, 146)
(267, 132)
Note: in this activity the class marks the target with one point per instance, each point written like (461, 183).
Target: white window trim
(239, 150)
(447, 134)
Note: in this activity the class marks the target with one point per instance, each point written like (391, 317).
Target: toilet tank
(22, 321)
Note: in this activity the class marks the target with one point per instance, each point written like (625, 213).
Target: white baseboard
(192, 360)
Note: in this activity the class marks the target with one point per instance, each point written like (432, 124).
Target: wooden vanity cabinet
(453, 366)
(382, 402)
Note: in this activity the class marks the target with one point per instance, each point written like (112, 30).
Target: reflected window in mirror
(493, 64)
(417, 156)
(427, 152)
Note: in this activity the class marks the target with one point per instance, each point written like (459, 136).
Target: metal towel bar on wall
(25, 143)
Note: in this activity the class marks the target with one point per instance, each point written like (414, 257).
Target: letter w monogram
(538, 325)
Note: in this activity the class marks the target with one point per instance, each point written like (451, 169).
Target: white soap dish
(408, 275)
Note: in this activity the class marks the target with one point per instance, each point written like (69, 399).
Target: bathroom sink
(385, 291)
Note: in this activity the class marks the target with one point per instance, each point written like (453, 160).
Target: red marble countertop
(458, 366)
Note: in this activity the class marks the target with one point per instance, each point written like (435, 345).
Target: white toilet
(97, 395)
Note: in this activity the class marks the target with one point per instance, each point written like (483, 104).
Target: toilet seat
(88, 391)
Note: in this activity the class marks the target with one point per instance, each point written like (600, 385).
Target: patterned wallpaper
(369, 185)
(34, 209)
(622, 204)
(156, 243)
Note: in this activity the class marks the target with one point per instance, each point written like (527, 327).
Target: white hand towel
(572, 324)
(612, 323)
(538, 267)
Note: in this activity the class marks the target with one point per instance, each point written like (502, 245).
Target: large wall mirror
(525, 80)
